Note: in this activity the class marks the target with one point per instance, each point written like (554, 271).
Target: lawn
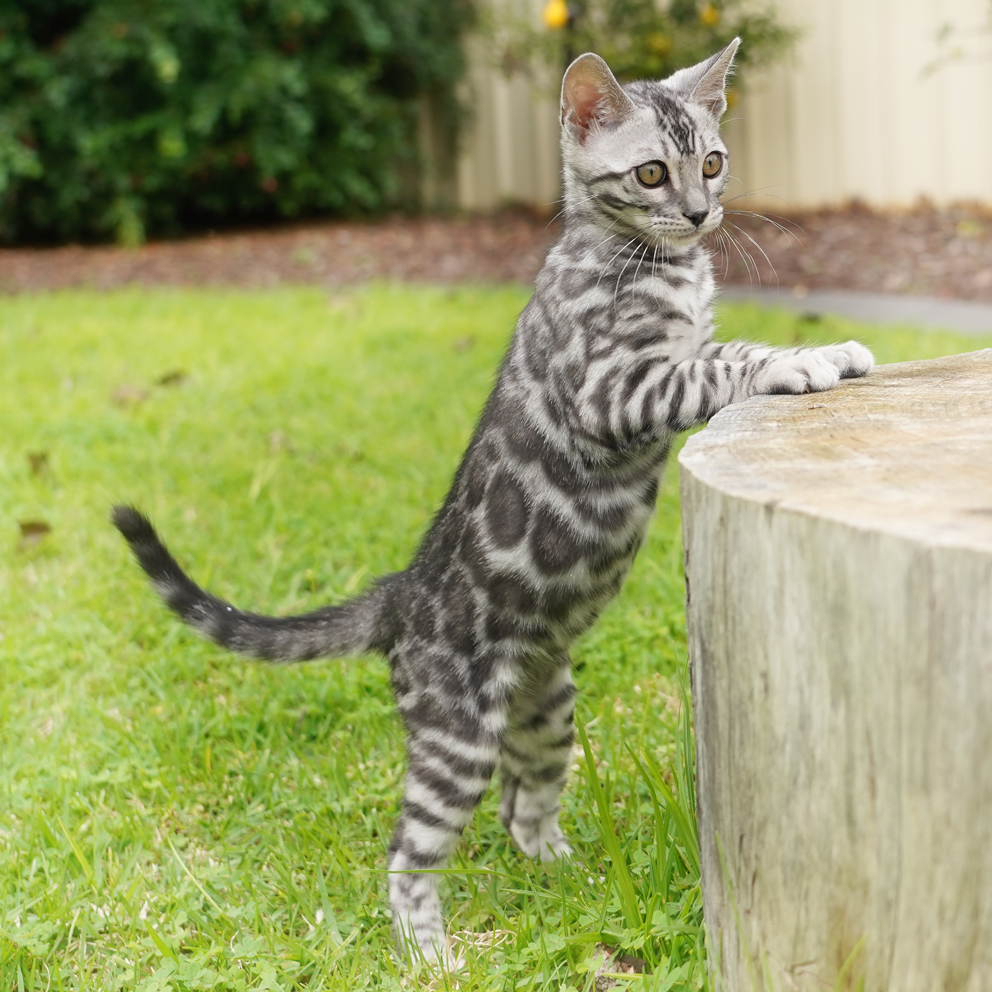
(172, 817)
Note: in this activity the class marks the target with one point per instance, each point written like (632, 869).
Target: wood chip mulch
(504, 247)
(925, 251)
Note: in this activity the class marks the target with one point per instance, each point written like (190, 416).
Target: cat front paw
(803, 372)
(851, 359)
(813, 370)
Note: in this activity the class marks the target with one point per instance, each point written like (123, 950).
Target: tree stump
(838, 555)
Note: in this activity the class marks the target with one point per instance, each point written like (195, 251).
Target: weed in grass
(175, 818)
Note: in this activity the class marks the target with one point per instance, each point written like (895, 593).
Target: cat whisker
(754, 273)
(762, 250)
(629, 243)
(609, 237)
(638, 269)
(746, 258)
(566, 204)
(616, 289)
(754, 192)
(768, 217)
(613, 256)
(721, 242)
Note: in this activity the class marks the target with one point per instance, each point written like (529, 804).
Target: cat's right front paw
(813, 370)
(851, 359)
(803, 372)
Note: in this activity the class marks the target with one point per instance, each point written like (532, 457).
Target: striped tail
(332, 631)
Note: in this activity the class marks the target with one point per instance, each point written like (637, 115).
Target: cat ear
(705, 83)
(591, 95)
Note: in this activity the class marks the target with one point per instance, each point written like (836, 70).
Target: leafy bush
(127, 117)
(645, 39)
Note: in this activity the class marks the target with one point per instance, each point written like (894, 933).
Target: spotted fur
(611, 358)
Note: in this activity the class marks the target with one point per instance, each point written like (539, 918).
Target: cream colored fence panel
(851, 113)
(510, 154)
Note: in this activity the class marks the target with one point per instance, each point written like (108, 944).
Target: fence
(857, 110)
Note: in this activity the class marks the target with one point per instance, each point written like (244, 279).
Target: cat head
(646, 159)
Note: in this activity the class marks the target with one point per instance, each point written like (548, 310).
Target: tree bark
(838, 552)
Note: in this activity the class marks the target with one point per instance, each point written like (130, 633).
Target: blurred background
(880, 101)
(125, 121)
(329, 141)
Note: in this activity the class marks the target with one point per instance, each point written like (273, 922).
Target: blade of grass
(159, 942)
(604, 822)
(78, 851)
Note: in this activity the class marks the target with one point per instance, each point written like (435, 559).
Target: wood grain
(839, 569)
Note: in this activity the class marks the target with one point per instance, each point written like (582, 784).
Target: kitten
(611, 358)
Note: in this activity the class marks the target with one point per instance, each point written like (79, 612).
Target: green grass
(174, 817)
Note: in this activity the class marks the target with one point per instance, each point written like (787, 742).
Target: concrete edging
(962, 316)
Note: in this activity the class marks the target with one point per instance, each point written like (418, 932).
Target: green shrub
(130, 117)
(645, 39)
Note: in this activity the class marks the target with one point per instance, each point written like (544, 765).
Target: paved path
(873, 308)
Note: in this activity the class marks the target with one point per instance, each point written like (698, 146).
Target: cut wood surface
(839, 571)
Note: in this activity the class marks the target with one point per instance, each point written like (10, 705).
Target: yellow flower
(555, 14)
(969, 228)
(709, 15)
(659, 42)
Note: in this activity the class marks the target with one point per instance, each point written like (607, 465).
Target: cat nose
(697, 216)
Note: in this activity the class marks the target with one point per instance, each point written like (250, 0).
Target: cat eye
(712, 164)
(651, 173)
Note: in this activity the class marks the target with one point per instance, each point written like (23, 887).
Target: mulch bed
(504, 247)
(926, 251)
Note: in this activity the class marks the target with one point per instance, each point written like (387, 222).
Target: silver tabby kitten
(611, 358)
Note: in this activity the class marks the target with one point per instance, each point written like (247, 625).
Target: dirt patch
(924, 251)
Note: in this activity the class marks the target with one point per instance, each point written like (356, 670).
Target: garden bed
(926, 251)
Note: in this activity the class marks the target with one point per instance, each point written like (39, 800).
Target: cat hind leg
(534, 762)
(445, 781)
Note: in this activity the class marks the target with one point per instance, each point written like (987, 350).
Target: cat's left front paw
(852, 360)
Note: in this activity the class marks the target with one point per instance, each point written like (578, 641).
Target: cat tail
(350, 628)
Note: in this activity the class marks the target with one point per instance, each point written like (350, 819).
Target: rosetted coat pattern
(613, 355)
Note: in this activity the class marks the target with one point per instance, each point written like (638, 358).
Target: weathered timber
(838, 552)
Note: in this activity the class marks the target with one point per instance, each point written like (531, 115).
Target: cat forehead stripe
(671, 116)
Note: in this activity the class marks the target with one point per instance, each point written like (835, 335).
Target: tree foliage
(130, 117)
